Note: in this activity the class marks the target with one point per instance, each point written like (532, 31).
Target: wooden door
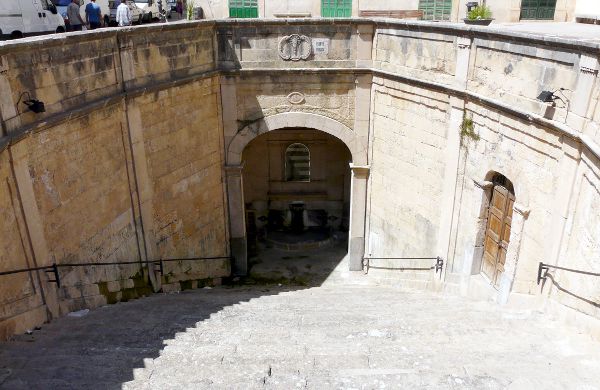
(497, 233)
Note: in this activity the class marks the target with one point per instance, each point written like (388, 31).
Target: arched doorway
(235, 175)
(497, 233)
(296, 185)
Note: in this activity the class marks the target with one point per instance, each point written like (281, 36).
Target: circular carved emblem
(295, 47)
(296, 98)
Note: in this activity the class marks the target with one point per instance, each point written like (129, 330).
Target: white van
(62, 5)
(149, 9)
(22, 18)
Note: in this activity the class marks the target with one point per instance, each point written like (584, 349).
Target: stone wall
(125, 165)
(407, 168)
(128, 160)
(260, 96)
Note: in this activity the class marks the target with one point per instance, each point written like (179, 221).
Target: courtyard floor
(334, 336)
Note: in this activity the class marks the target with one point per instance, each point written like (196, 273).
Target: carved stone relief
(296, 98)
(295, 47)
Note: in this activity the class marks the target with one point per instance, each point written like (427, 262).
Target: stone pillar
(145, 188)
(520, 214)
(237, 219)
(582, 95)
(364, 46)
(567, 171)
(463, 58)
(451, 157)
(8, 114)
(358, 204)
(34, 224)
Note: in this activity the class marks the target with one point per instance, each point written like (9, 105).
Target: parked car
(62, 5)
(137, 15)
(20, 18)
(149, 9)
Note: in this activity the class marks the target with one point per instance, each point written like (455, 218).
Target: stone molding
(463, 42)
(355, 144)
(484, 185)
(521, 210)
(234, 170)
(360, 171)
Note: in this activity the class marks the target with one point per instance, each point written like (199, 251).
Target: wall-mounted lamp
(34, 105)
(552, 97)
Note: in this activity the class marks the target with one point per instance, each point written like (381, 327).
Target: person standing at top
(75, 21)
(123, 15)
(179, 8)
(93, 15)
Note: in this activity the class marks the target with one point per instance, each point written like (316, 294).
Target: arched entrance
(497, 233)
(235, 172)
(296, 191)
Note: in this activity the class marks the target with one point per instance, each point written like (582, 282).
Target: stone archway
(235, 189)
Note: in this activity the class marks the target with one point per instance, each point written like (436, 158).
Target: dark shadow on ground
(308, 267)
(101, 349)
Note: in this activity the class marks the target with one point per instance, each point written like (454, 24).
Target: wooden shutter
(243, 8)
(538, 9)
(336, 8)
(436, 9)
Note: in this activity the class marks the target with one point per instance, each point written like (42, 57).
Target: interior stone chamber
(161, 141)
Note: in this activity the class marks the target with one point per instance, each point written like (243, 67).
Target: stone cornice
(458, 29)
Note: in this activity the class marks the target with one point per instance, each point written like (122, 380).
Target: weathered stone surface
(127, 162)
(359, 337)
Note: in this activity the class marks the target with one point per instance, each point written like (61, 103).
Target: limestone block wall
(549, 153)
(516, 73)
(127, 161)
(21, 303)
(181, 177)
(582, 240)
(125, 165)
(407, 168)
(420, 54)
(529, 157)
(329, 95)
(65, 72)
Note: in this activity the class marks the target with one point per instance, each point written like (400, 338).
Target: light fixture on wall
(34, 105)
(552, 97)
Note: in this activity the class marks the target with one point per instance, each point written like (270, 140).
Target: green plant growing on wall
(479, 12)
(467, 129)
(190, 9)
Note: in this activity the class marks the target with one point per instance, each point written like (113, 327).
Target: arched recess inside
(498, 241)
(234, 172)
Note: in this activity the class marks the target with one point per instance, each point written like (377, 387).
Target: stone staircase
(369, 337)
(333, 336)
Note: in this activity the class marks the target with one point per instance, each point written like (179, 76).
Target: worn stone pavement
(343, 337)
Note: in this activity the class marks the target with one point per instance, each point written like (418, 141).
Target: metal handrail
(438, 266)
(544, 268)
(54, 267)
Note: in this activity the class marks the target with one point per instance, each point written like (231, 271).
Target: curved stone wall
(129, 161)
